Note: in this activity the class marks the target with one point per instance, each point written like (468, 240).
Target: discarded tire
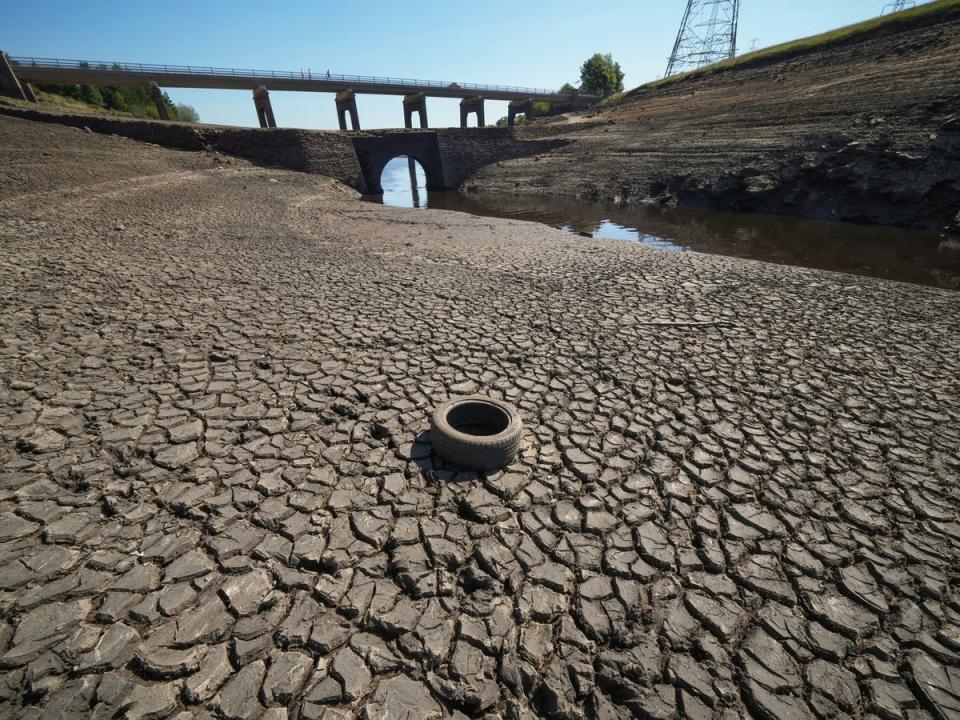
(476, 432)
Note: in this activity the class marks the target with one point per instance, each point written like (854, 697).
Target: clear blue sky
(512, 42)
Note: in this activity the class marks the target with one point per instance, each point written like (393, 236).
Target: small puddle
(915, 256)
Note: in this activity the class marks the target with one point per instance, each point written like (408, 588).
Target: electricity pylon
(896, 6)
(708, 34)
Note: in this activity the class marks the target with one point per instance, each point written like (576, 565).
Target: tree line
(600, 75)
(132, 99)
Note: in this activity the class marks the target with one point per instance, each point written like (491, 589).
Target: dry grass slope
(885, 23)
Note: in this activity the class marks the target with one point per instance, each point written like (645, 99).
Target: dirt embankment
(865, 130)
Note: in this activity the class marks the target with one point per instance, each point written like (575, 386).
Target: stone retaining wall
(464, 151)
(303, 150)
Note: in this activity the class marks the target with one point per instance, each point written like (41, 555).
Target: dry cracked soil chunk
(218, 496)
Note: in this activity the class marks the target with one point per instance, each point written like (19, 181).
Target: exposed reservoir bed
(915, 256)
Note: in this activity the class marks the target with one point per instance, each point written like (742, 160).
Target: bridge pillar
(157, 94)
(9, 84)
(470, 105)
(415, 103)
(347, 103)
(518, 107)
(28, 91)
(261, 101)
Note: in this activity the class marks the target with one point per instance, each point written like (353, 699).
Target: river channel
(914, 256)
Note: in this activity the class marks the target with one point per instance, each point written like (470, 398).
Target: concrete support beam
(261, 101)
(28, 91)
(414, 103)
(9, 84)
(157, 94)
(519, 107)
(469, 105)
(347, 104)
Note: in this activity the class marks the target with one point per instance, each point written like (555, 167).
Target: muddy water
(895, 254)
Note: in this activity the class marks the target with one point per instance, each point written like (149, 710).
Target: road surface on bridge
(53, 70)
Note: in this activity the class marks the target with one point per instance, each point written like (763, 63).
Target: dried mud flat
(737, 495)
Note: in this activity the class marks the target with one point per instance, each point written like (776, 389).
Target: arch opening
(404, 182)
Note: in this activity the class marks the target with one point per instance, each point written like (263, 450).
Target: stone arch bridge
(449, 156)
(375, 151)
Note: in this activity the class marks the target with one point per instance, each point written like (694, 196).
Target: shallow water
(893, 253)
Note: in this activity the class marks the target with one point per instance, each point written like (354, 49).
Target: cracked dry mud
(737, 495)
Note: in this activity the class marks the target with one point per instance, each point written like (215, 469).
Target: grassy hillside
(879, 24)
(133, 101)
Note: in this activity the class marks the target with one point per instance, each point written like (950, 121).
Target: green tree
(113, 99)
(186, 113)
(600, 75)
(90, 94)
(567, 89)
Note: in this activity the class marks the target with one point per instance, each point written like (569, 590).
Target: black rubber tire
(475, 452)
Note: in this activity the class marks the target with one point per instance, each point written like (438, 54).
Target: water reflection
(893, 253)
(404, 183)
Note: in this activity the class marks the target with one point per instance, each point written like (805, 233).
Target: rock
(294, 631)
(890, 700)
(329, 632)
(207, 623)
(186, 432)
(244, 593)
(175, 598)
(354, 677)
(44, 441)
(150, 702)
(286, 676)
(13, 527)
(139, 579)
(655, 548)
(214, 669)
(857, 582)
(938, 685)
(173, 457)
(167, 663)
(238, 698)
(759, 184)
(838, 684)
(44, 625)
(326, 691)
(772, 682)
(114, 649)
(842, 615)
(188, 566)
(580, 463)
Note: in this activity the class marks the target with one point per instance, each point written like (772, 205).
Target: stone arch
(430, 185)
(376, 150)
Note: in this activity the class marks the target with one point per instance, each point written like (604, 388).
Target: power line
(896, 6)
(708, 34)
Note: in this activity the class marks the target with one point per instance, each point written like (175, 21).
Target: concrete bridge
(17, 74)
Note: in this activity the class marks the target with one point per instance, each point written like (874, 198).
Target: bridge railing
(347, 80)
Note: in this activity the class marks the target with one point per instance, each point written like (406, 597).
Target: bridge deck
(50, 70)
